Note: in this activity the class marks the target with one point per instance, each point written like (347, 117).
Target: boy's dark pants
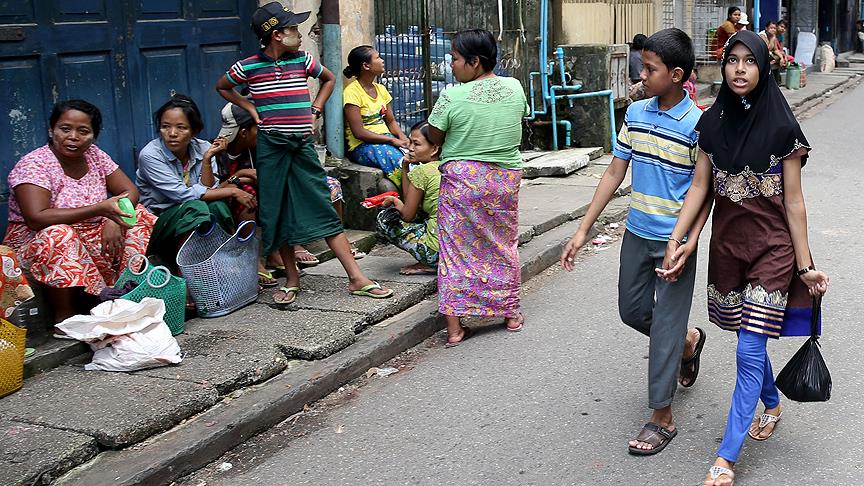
(664, 320)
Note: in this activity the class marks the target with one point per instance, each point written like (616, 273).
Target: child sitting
(374, 137)
(399, 224)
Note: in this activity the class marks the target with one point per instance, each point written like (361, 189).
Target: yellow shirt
(372, 110)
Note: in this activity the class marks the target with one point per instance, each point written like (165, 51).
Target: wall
(606, 22)
(357, 18)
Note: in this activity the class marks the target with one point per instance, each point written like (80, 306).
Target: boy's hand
(675, 259)
(571, 248)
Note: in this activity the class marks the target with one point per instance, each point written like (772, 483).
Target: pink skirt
(478, 231)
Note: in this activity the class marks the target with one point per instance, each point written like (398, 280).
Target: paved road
(556, 403)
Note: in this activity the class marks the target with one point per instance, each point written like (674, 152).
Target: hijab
(753, 132)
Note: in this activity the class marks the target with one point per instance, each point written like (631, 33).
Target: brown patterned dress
(752, 283)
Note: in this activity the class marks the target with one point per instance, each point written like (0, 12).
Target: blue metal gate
(125, 56)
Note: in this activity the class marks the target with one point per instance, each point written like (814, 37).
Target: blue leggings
(755, 381)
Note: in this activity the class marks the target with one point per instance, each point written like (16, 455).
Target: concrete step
(560, 162)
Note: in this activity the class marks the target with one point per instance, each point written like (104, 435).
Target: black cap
(274, 16)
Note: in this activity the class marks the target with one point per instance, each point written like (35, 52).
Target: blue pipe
(608, 92)
(756, 15)
(334, 125)
(559, 53)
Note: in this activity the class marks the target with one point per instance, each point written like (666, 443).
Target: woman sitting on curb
(374, 137)
(399, 224)
(63, 226)
(176, 177)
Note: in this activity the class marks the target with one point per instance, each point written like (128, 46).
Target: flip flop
(365, 291)
(659, 437)
(357, 254)
(763, 421)
(309, 262)
(293, 291)
(266, 280)
(520, 326)
(690, 368)
(29, 352)
(717, 471)
(467, 332)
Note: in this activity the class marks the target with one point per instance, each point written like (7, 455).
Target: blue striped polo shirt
(279, 89)
(661, 148)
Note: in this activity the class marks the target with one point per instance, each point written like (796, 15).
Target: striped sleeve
(623, 149)
(313, 67)
(236, 74)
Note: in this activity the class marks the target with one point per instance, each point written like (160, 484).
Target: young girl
(760, 270)
(399, 224)
(374, 137)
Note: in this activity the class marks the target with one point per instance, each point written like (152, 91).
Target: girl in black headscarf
(760, 271)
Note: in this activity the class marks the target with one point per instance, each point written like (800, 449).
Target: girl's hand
(247, 200)
(399, 143)
(112, 239)
(110, 210)
(568, 254)
(816, 282)
(675, 259)
(391, 201)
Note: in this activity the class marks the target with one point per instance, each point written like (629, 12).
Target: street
(556, 403)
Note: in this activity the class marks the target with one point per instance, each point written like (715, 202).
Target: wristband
(316, 112)
(805, 270)
(676, 240)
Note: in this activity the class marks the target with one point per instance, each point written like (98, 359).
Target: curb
(205, 437)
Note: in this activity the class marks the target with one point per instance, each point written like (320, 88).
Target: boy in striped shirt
(294, 200)
(659, 138)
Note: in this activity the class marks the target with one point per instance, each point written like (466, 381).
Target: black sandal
(659, 437)
(690, 368)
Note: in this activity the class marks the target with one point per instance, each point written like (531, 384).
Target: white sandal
(717, 471)
(764, 420)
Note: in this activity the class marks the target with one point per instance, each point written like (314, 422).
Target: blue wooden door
(125, 56)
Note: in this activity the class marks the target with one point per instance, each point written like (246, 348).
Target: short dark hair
(477, 44)
(78, 105)
(187, 106)
(356, 58)
(782, 22)
(731, 11)
(674, 48)
(638, 42)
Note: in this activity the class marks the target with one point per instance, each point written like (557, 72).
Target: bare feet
(418, 269)
(723, 479)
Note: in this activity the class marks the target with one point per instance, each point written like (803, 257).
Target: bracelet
(234, 180)
(805, 270)
(676, 240)
(316, 112)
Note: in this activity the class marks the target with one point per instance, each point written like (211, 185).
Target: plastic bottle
(125, 205)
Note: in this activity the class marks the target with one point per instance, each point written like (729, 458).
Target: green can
(793, 76)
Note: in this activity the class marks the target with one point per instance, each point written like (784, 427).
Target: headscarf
(756, 131)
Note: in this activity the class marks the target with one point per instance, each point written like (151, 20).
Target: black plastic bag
(805, 378)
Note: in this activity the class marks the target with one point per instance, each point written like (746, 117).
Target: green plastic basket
(158, 283)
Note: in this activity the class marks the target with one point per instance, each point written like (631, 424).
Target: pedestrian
(725, 30)
(69, 235)
(659, 138)
(635, 60)
(760, 272)
(775, 50)
(478, 124)
(177, 179)
(295, 203)
(401, 224)
(374, 137)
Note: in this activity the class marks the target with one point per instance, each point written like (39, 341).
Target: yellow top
(372, 110)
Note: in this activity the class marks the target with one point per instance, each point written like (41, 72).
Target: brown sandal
(655, 435)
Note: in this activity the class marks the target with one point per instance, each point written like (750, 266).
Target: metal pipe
(594, 94)
(756, 15)
(559, 53)
(331, 56)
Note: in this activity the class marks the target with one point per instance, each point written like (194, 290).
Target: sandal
(467, 332)
(292, 291)
(717, 471)
(521, 322)
(366, 291)
(655, 435)
(357, 254)
(309, 261)
(266, 280)
(690, 367)
(760, 423)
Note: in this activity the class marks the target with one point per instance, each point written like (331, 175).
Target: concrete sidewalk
(248, 371)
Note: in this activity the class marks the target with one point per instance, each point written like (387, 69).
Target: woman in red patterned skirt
(63, 225)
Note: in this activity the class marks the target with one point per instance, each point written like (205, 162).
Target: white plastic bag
(125, 335)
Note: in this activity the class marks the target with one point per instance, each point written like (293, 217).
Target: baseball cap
(274, 16)
(233, 119)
